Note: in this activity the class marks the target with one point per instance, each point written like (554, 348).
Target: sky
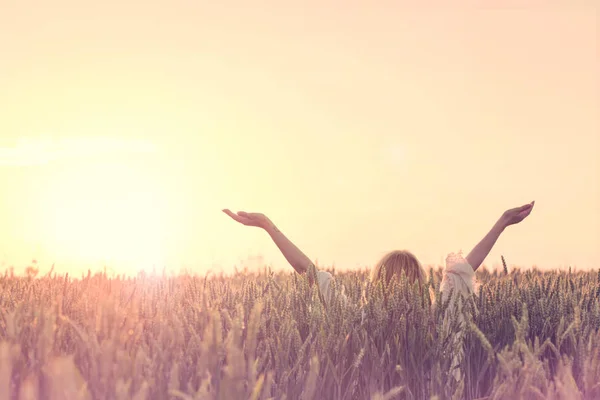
(357, 127)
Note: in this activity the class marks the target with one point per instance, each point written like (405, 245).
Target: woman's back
(458, 278)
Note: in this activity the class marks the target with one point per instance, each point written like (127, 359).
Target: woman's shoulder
(458, 274)
(324, 280)
(457, 264)
(324, 277)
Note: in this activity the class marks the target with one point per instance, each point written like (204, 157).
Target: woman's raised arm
(297, 259)
(510, 217)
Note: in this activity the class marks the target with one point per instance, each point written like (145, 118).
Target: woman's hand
(516, 215)
(250, 219)
(509, 217)
(297, 259)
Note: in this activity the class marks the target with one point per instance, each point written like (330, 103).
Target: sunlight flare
(110, 212)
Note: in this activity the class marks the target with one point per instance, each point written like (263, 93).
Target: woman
(458, 274)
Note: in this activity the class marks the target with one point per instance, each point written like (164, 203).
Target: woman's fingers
(241, 217)
(527, 212)
(523, 209)
(526, 209)
(236, 217)
(228, 212)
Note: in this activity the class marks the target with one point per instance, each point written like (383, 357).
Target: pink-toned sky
(361, 127)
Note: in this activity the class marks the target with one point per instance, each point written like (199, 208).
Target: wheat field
(263, 335)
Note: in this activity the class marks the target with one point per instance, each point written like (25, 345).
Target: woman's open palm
(518, 214)
(249, 219)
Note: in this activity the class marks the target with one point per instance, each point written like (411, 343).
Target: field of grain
(528, 335)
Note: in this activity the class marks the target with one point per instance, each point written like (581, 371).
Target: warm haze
(125, 128)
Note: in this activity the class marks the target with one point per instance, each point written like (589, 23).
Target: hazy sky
(126, 126)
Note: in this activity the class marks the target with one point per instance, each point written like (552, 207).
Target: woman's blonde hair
(394, 263)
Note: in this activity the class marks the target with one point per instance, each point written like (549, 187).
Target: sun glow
(109, 212)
